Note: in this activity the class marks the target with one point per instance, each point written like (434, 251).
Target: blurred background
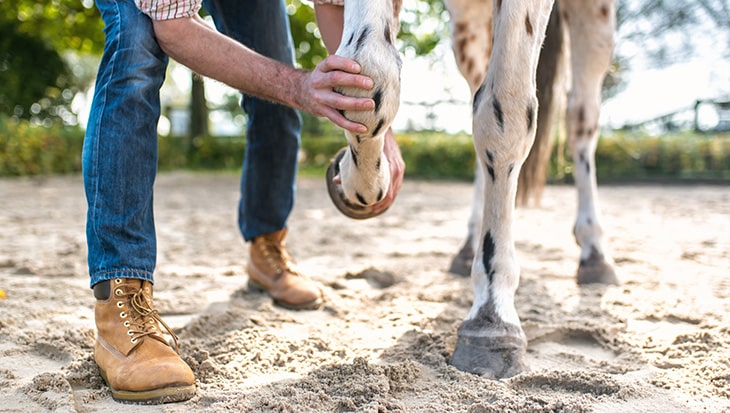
(666, 111)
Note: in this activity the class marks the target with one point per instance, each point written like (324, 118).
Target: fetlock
(270, 268)
(133, 356)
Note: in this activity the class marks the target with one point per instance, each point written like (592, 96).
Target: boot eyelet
(118, 291)
(118, 281)
(123, 314)
(129, 333)
(133, 341)
(126, 323)
(120, 304)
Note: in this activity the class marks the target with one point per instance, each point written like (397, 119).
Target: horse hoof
(338, 197)
(595, 270)
(491, 357)
(461, 264)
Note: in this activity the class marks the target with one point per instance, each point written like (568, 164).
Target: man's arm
(191, 42)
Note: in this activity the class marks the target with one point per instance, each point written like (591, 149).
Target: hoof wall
(595, 270)
(492, 357)
(338, 197)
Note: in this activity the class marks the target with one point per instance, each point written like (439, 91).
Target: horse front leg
(490, 339)
(359, 175)
(591, 26)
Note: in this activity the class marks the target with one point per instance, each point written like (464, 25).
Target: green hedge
(35, 150)
(683, 156)
(26, 149)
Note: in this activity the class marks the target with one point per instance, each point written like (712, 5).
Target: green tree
(35, 37)
(423, 26)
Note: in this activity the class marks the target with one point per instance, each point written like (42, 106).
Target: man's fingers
(341, 121)
(334, 62)
(343, 79)
(342, 102)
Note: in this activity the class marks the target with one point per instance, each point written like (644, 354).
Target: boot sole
(312, 305)
(172, 394)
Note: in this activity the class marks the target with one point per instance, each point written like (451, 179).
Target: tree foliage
(423, 26)
(38, 83)
(667, 31)
(40, 43)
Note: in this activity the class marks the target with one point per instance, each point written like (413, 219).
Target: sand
(660, 342)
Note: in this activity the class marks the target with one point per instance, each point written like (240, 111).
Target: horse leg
(591, 26)
(471, 40)
(490, 340)
(368, 35)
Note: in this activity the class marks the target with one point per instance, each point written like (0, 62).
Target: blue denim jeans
(120, 147)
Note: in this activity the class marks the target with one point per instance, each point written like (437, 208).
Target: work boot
(270, 269)
(134, 358)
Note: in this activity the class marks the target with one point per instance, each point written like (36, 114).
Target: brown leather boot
(270, 269)
(133, 356)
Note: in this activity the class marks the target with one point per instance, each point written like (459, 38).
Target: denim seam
(97, 131)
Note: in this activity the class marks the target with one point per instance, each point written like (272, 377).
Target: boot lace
(144, 319)
(277, 256)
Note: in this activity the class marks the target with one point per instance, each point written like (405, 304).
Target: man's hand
(397, 169)
(316, 94)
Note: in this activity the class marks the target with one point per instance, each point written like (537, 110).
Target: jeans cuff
(120, 273)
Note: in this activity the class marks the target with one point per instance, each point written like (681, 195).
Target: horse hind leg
(471, 40)
(591, 26)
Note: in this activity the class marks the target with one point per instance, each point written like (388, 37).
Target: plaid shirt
(168, 9)
(176, 9)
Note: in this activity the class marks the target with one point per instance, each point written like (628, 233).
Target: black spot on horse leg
(530, 117)
(377, 165)
(377, 127)
(378, 98)
(354, 155)
(380, 195)
(387, 33)
(349, 41)
(511, 168)
(361, 39)
(490, 169)
(498, 114)
(490, 156)
(488, 249)
(584, 160)
(475, 101)
(360, 198)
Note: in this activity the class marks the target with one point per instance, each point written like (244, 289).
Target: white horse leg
(591, 26)
(368, 36)
(491, 341)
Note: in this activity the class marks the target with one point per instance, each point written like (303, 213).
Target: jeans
(120, 148)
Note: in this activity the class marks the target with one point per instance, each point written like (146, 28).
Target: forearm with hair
(191, 42)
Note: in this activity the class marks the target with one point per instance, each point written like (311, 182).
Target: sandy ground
(660, 342)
